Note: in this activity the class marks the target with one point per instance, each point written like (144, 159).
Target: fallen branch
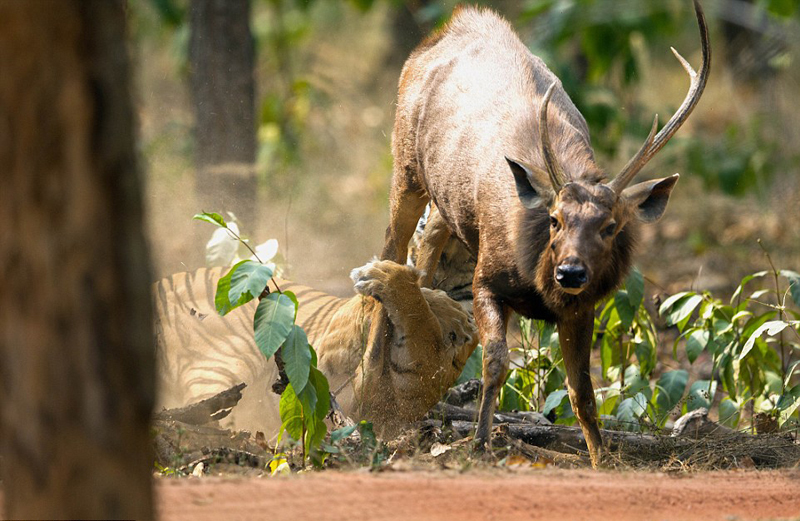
(447, 412)
(211, 409)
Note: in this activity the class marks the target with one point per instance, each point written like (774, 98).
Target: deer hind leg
(431, 245)
(576, 343)
(492, 319)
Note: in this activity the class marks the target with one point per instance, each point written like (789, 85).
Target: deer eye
(609, 230)
(554, 222)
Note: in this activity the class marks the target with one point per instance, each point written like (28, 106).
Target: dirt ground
(546, 494)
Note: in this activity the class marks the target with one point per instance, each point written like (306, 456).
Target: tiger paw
(376, 278)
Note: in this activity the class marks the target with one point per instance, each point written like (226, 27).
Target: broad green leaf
(291, 411)
(729, 413)
(772, 328)
(758, 294)
(607, 401)
(248, 281)
(667, 304)
(699, 396)
(315, 427)
(293, 298)
(695, 343)
(794, 285)
(745, 280)
(634, 284)
(323, 393)
(646, 355)
(473, 367)
(624, 308)
(554, 400)
(308, 400)
(631, 409)
(211, 217)
(726, 370)
(272, 323)
(635, 383)
(671, 386)
(344, 432)
(789, 402)
(791, 371)
(296, 357)
(221, 300)
(682, 310)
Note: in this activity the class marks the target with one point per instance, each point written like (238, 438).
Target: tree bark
(76, 340)
(221, 56)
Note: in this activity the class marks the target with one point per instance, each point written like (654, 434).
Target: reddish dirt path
(548, 494)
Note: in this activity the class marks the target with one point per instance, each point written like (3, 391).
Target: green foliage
(305, 402)
(752, 343)
(273, 321)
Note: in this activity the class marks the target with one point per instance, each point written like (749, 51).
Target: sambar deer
(485, 130)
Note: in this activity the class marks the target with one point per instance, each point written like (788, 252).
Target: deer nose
(571, 276)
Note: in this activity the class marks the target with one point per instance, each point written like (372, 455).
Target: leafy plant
(753, 343)
(305, 402)
(752, 340)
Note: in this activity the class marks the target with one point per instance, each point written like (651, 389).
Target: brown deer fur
(468, 100)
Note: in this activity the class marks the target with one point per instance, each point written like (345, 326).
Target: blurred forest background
(311, 161)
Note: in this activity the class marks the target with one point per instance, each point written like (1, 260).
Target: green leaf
(682, 309)
(789, 402)
(696, 343)
(699, 396)
(634, 284)
(607, 403)
(729, 412)
(211, 217)
(248, 281)
(772, 328)
(293, 298)
(291, 411)
(624, 308)
(322, 387)
(296, 357)
(344, 432)
(273, 322)
(631, 409)
(221, 300)
(315, 427)
(745, 280)
(667, 304)
(670, 386)
(794, 285)
(554, 400)
(473, 367)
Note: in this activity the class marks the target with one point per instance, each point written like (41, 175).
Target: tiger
(391, 382)
(445, 262)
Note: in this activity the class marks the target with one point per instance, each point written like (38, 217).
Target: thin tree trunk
(76, 341)
(223, 88)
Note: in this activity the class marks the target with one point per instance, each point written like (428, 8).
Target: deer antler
(554, 170)
(653, 144)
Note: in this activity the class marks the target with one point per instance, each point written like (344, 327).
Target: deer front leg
(491, 318)
(406, 206)
(575, 335)
(433, 241)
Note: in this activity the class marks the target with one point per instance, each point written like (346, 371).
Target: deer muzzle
(572, 277)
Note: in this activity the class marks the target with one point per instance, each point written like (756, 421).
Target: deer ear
(651, 197)
(533, 190)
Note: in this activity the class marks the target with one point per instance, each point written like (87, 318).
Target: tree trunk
(76, 340)
(221, 56)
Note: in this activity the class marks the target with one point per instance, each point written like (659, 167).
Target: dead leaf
(437, 449)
